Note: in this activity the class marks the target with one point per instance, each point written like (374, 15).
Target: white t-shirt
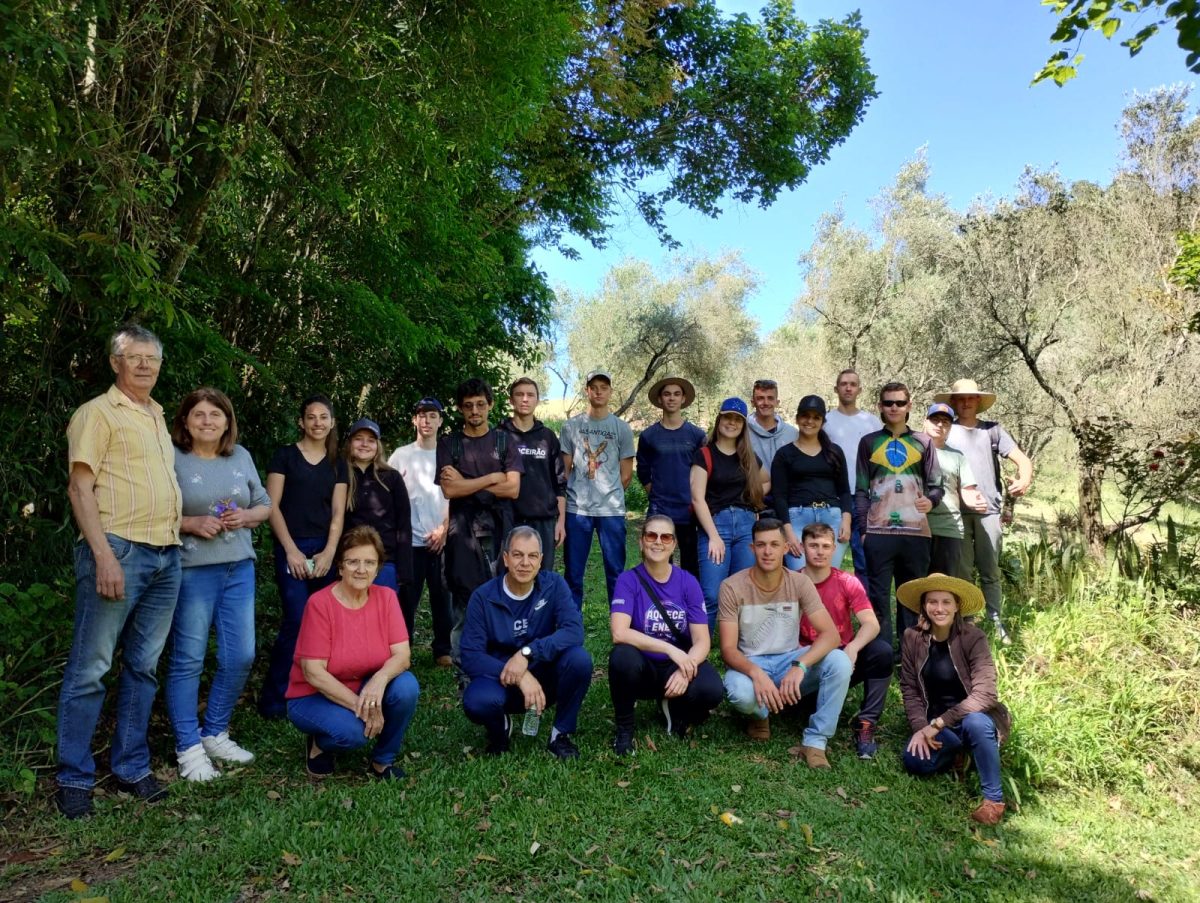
(846, 430)
(429, 507)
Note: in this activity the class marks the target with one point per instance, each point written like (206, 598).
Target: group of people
(760, 513)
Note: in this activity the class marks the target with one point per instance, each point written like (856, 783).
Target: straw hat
(970, 599)
(689, 391)
(967, 387)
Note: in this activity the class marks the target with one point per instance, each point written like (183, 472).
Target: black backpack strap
(685, 643)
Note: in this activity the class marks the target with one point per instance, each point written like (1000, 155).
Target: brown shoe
(989, 812)
(443, 661)
(815, 757)
(759, 729)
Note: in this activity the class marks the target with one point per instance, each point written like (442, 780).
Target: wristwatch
(799, 664)
(938, 722)
(527, 652)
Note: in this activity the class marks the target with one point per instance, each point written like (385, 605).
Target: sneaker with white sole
(194, 765)
(223, 749)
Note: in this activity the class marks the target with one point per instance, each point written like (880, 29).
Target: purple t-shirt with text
(681, 596)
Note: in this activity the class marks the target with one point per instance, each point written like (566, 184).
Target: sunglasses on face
(664, 538)
(893, 402)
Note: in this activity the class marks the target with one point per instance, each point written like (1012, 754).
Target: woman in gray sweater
(223, 500)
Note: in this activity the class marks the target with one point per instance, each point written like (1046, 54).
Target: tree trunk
(1091, 514)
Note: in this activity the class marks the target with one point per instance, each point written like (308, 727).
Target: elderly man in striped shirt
(127, 504)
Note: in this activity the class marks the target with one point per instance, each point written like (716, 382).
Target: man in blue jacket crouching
(522, 647)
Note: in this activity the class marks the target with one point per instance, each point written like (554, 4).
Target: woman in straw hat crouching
(948, 681)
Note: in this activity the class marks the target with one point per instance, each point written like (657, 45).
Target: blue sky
(953, 76)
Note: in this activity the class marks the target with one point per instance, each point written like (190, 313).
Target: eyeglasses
(893, 402)
(357, 564)
(665, 538)
(138, 359)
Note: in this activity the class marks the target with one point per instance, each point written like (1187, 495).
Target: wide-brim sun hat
(970, 599)
(967, 387)
(689, 391)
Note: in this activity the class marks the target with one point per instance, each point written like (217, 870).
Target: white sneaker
(222, 748)
(1001, 633)
(194, 765)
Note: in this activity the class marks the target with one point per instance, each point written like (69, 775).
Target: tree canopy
(1074, 301)
(344, 196)
(690, 322)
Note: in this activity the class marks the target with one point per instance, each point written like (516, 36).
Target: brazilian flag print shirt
(892, 473)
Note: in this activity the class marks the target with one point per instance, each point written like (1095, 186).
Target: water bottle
(529, 727)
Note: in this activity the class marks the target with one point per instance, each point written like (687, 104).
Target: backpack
(456, 445)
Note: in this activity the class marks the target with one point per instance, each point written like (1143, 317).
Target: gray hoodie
(766, 442)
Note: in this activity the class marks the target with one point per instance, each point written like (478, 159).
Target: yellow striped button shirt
(128, 448)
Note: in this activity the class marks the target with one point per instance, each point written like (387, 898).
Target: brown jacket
(972, 660)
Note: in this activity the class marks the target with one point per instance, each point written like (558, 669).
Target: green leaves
(1077, 17)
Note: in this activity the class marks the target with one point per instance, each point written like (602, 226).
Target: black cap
(811, 403)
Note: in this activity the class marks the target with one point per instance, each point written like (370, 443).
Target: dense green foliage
(342, 198)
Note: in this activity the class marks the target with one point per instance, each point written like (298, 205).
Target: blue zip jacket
(547, 621)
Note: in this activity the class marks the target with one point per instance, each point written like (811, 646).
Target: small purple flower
(224, 505)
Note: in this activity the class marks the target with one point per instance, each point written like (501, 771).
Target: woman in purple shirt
(660, 640)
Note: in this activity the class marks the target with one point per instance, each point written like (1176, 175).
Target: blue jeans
(800, 518)
(977, 733)
(859, 557)
(140, 623)
(578, 545)
(336, 728)
(293, 596)
(733, 526)
(210, 595)
(565, 682)
(830, 678)
(387, 577)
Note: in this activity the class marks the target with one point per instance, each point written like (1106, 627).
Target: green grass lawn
(526, 826)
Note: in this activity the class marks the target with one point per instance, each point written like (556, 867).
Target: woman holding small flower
(223, 500)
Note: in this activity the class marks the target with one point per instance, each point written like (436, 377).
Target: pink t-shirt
(841, 594)
(354, 642)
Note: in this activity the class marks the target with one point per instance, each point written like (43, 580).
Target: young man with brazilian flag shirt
(898, 482)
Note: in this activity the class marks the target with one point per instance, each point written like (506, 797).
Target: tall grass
(1105, 688)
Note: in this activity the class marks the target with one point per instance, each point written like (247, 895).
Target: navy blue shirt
(664, 460)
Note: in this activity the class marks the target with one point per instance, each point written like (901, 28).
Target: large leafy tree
(343, 197)
(641, 326)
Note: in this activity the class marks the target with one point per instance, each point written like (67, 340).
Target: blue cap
(940, 408)
(429, 403)
(734, 406)
(365, 423)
